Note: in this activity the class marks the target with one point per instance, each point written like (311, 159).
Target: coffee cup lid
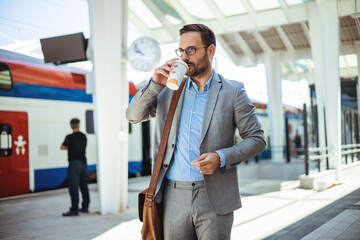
(183, 63)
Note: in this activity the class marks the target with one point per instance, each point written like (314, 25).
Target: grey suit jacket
(227, 108)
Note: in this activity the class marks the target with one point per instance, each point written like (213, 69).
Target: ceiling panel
(348, 30)
(296, 35)
(273, 39)
(251, 41)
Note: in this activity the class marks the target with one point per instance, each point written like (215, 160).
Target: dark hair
(75, 123)
(207, 35)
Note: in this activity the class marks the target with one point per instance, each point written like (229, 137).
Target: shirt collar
(206, 87)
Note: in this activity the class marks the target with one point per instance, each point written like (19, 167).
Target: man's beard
(198, 69)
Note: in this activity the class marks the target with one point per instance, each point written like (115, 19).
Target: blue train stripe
(22, 90)
(46, 179)
(45, 92)
(135, 167)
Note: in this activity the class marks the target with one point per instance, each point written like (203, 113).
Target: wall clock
(144, 54)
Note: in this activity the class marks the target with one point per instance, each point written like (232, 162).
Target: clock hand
(137, 50)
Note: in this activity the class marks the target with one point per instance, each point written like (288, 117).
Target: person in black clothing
(75, 144)
(298, 143)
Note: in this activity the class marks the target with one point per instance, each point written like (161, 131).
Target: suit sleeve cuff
(154, 82)
(222, 158)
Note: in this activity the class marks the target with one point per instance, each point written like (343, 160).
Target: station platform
(272, 209)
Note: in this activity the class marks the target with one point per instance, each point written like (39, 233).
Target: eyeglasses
(189, 50)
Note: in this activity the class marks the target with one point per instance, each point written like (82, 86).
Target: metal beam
(306, 31)
(357, 22)
(293, 67)
(184, 14)
(282, 56)
(265, 19)
(215, 10)
(284, 7)
(249, 22)
(263, 44)
(250, 10)
(228, 49)
(245, 47)
(139, 23)
(161, 17)
(284, 38)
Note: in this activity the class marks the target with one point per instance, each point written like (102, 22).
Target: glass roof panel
(342, 62)
(172, 20)
(284, 68)
(167, 8)
(142, 12)
(293, 2)
(230, 7)
(301, 66)
(260, 5)
(198, 8)
(299, 69)
(352, 60)
(311, 63)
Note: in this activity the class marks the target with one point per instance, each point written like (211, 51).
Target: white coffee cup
(175, 79)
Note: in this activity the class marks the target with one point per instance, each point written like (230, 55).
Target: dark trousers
(77, 177)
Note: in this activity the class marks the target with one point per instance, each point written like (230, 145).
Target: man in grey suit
(198, 179)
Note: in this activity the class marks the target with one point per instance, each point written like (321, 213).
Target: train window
(5, 140)
(90, 121)
(5, 77)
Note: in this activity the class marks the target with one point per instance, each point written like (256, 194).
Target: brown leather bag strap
(164, 138)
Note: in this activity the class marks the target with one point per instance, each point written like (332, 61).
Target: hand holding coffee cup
(175, 79)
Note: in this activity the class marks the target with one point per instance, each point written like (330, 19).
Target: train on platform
(37, 102)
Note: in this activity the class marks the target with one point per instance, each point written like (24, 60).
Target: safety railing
(321, 154)
(316, 154)
(350, 150)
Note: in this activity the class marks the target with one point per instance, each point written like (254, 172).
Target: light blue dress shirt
(187, 147)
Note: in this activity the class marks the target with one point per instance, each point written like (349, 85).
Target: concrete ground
(267, 213)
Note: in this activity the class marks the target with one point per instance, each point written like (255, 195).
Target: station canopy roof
(248, 28)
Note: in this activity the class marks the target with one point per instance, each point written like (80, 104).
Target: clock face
(144, 54)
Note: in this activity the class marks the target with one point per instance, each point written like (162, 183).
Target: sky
(22, 20)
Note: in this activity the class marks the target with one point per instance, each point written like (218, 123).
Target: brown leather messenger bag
(150, 212)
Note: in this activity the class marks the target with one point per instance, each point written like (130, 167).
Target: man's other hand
(207, 163)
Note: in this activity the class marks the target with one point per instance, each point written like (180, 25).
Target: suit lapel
(212, 97)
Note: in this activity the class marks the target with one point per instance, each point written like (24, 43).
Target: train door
(14, 153)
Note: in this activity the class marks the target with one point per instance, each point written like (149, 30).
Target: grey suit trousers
(188, 214)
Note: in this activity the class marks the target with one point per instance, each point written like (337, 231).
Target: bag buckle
(149, 199)
(151, 196)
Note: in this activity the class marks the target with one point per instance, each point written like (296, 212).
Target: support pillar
(357, 49)
(275, 108)
(108, 23)
(325, 47)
